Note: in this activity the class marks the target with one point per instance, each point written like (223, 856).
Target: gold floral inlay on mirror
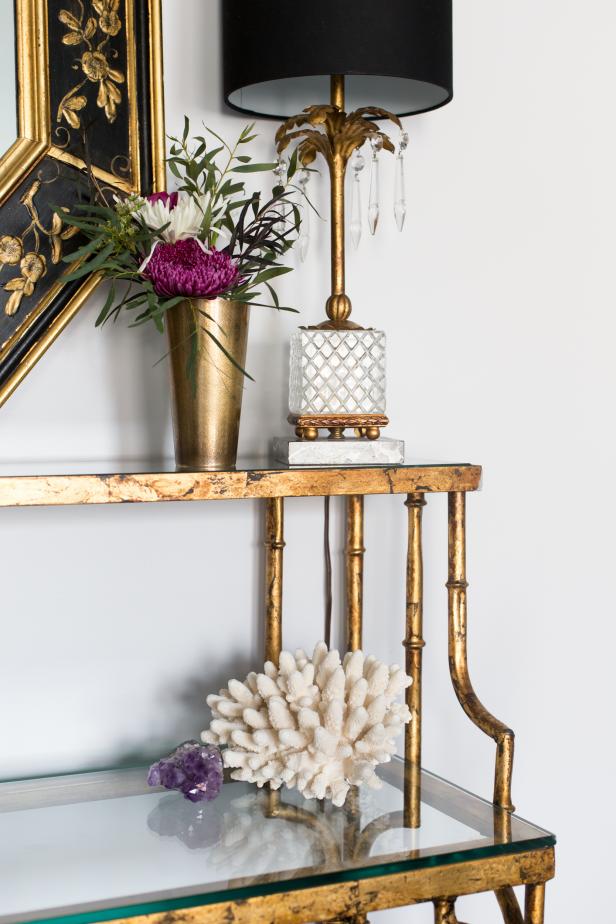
(92, 31)
(89, 91)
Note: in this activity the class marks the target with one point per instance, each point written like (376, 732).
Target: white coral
(317, 724)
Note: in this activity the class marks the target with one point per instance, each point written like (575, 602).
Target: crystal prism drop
(355, 224)
(399, 195)
(280, 172)
(304, 231)
(373, 202)
(399, 185)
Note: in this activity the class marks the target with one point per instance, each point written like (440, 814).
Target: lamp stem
(338, 309)
(337, 90)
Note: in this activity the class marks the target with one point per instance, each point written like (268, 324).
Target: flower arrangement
(210, 238)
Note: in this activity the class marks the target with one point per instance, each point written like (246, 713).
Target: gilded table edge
(58, 490)
(360, 896)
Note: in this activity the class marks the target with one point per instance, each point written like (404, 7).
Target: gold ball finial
(338, 307)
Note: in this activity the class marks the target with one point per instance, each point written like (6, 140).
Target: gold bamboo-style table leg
(274, 545)
(354, 553)
(474, 709)
(509, 906)
(458, 657)
(445, 911)
(535, 903)
(354, 570)
(413, 644)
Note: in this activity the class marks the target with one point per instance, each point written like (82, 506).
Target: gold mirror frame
(109, 55)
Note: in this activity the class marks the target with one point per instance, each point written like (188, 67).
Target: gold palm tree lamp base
(336, 377)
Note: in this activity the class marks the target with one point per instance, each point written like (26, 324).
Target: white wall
(499, 301)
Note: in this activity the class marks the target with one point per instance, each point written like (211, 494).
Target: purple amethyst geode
(193, 769)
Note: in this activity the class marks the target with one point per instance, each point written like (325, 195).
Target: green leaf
(102, 317)
(155, 313)
(191, 363)
(229, 188)
(92, 266)
(252, 168)
(186, 129)
(81, 252)
(212, 154)
(130, 304)
(292, 165)
(238, 204)
(266, 305)
(222, 140)
(272, 292)
(103, 210)
(306, 199)
(271, 274)
(224, 350)
(87, 224)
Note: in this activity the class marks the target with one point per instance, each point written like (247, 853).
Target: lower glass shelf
(100, 846)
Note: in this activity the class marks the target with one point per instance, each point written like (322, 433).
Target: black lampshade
(278, 55)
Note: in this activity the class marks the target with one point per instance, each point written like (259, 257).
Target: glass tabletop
(38, 468)
(102, 845)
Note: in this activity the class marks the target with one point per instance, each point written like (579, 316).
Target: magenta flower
(167, 199)
(185, 268)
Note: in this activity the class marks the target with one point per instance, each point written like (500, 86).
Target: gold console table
(102, 846)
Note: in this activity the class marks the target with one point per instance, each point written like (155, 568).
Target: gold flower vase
(206, 409)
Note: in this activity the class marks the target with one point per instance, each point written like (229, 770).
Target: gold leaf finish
(458, 658)
(94, 31)
(509, 906)
(206, 408)
(40, 136)
(274, 546)
(307, 426)
(354, 555)
(334, 134)
(356, 897)
(32, 263)
(54, 490)
(534, 903)
(414, 644)
(346, 902)
(341, 132)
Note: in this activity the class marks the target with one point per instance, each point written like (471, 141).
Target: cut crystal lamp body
(337, 382)
(337, 372)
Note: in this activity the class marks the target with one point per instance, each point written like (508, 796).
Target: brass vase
(206, 412)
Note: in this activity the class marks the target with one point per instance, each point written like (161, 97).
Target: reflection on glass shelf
(78, 844)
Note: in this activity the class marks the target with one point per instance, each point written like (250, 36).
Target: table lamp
(331, 70)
